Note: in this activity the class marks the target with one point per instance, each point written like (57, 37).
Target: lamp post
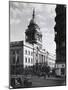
(15, 62)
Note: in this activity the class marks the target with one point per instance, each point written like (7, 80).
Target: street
(42, 82)
(36, 81)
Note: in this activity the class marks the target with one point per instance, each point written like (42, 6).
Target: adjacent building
(16, 57)
(60, 39)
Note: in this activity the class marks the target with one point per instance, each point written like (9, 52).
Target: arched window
(26, 52)
(28, 60)
(25, 59)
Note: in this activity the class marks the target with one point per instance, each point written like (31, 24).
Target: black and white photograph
(37, 45)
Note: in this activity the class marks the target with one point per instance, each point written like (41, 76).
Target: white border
(4, 43)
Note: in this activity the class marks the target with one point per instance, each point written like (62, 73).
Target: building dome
(33, 32)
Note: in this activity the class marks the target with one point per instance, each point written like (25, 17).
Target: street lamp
(15, 61)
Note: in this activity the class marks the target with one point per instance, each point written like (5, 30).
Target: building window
(18, 60)
(13, 60)
(26, 52)
(26, 60)
(31, 60)
(63, 66)
(62, 71)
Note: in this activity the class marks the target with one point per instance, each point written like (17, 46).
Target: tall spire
(33, 16)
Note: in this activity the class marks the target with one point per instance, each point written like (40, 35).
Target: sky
(20, 16)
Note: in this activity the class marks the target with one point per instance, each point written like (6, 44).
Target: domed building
(29, 51)
(33, 34)
(33, 44)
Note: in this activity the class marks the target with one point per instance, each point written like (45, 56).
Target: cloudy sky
(20, 16)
